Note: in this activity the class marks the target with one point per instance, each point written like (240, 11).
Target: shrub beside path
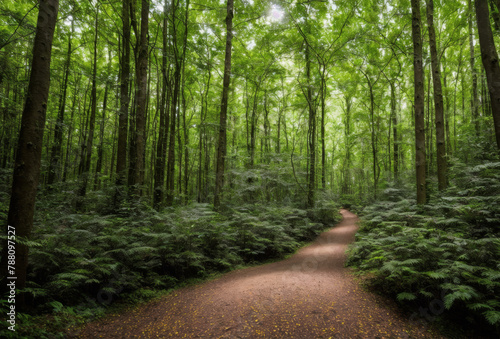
(309, 295)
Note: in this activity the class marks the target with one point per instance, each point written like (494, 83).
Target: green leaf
(493, 317)
(406, 296)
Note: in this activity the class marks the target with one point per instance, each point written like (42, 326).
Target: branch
(19, 25)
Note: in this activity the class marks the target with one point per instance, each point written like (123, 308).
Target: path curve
(309, 295)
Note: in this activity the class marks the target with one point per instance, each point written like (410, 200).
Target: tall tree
(29, 147)
(87, 146)
(179, 56)
(373, 132)
(474, 100)
(173, 114)
(438, 99)
(58, 130)
(161, 146)
(100, 147)
(394, 121)
(221, 149)
(141, 96)
(489, 56)
(418, 74)
(121, 149)
(311, 135)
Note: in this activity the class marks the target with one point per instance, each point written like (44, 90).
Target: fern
(451, 244)
(493, 317)
(406, 296)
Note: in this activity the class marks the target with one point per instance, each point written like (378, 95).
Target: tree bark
(373, 137)
(474, 101)
(70, 133)
(161, 146)
(253, 124)
(311, 136)
(178, 60)
(323, 148)
(222, 149)
(132, 149)
(29, 148)
(438, 100)
(121, 149)
(267, 127)
(490, 62)
(346, 172)
(100, 148)
(87, 149)
(58, 131)
(394, 117)
(418, 102)
(202, 134)
(141, 98)
(173, 115)
(186, 147)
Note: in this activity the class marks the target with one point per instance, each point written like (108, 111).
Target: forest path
(309, 295)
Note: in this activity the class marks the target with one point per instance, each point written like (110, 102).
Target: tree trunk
(180, 145)
(490, 62)
(100, 150)
(178, 60)
(161, 146)
(83, 126)
(121, 149)
(438, 100)
(58, 132)
(418, 102)
(247, 106)
(265, 155)
(141, 98)
(87, 151)
(186, 148)
(373, 137)
(70, 133)
(203, 132)
(474, 101)
(111, 169)
(346, 172)
(29, 150)
(173, 116)
(428, 140)
(132, 149)
(132, 144)
(6, 135)
(447, 116)
(221, 150)
(253, 123)
(394, 116)
(311, 136)
(323, 149)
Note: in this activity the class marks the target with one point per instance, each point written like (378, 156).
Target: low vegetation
(81, 263)
(444, 255)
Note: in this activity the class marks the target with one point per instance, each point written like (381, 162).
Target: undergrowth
(81, 263)
(444, 257)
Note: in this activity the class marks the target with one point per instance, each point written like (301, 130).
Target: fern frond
(406, 296)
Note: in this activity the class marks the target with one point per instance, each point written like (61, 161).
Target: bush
(449, 249)
(86, 261)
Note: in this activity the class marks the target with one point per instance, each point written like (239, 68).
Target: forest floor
(309, 295)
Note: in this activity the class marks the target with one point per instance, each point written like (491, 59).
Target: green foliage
(81, 263)
(448, 250)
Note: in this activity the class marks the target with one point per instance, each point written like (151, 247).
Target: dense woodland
(179, 138)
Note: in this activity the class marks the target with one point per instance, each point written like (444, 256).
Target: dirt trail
(309, 295)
